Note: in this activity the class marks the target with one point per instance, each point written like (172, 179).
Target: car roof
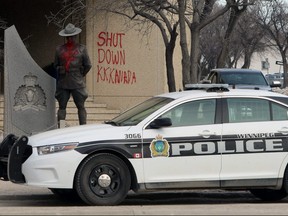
(190, 94)
(223, 70)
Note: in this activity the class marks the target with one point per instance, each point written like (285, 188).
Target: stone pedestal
(28, 90)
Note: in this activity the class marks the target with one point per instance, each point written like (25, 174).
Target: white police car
(207, 138)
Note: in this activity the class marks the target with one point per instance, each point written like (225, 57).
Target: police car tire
(285, 180)
(102, 166)
(269, 194)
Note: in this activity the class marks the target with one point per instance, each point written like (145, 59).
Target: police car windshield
(136, 114)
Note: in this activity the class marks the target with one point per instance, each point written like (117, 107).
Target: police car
(207, 136)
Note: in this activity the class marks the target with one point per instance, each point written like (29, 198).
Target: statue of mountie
(72, 63)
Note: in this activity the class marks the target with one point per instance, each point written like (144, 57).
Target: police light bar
(208, 87)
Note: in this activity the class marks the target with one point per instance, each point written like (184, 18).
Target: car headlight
(49, 149)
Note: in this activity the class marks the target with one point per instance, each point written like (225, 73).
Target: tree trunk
(169, 61)
(247, 58)
(234, 16)
(170, 72)
(194, 53)
(184, 44)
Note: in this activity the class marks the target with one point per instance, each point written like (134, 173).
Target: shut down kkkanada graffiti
(111, 60)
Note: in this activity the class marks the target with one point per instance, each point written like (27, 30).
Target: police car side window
(192, 113)
(248, 110)
(279, 112)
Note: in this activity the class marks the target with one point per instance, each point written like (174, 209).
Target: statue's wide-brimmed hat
(70, 30)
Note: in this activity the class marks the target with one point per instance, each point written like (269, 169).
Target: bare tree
(273, 18)
(158, 12)
(70, 11)
(237, 8)
(250, 35)
(182, 5)
(211, 42)
(202, 16)
(245, 40)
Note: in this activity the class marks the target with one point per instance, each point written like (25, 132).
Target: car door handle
(283, 130)
(207, 133)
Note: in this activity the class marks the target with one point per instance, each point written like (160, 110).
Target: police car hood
(83, 133)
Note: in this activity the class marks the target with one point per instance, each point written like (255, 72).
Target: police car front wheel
(102, 179)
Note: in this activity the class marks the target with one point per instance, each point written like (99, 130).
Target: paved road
(24, 200)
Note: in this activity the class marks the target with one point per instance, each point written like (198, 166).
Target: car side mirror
(160, 122)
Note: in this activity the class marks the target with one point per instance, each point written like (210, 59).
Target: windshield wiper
(111, 122)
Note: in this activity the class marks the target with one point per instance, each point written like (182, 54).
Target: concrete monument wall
(29, 91)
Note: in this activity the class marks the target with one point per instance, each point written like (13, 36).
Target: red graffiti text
(110, 39)
(111, 57)
(115, 76)
(111, 60)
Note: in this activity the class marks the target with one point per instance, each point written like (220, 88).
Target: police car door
(253, 142)
(184, 154)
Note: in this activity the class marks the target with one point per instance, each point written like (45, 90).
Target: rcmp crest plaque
(30, 95)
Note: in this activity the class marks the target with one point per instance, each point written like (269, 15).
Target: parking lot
(24, 200)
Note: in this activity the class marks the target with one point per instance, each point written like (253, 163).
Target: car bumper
(55, 170)
(20, 163)
(14, 152)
